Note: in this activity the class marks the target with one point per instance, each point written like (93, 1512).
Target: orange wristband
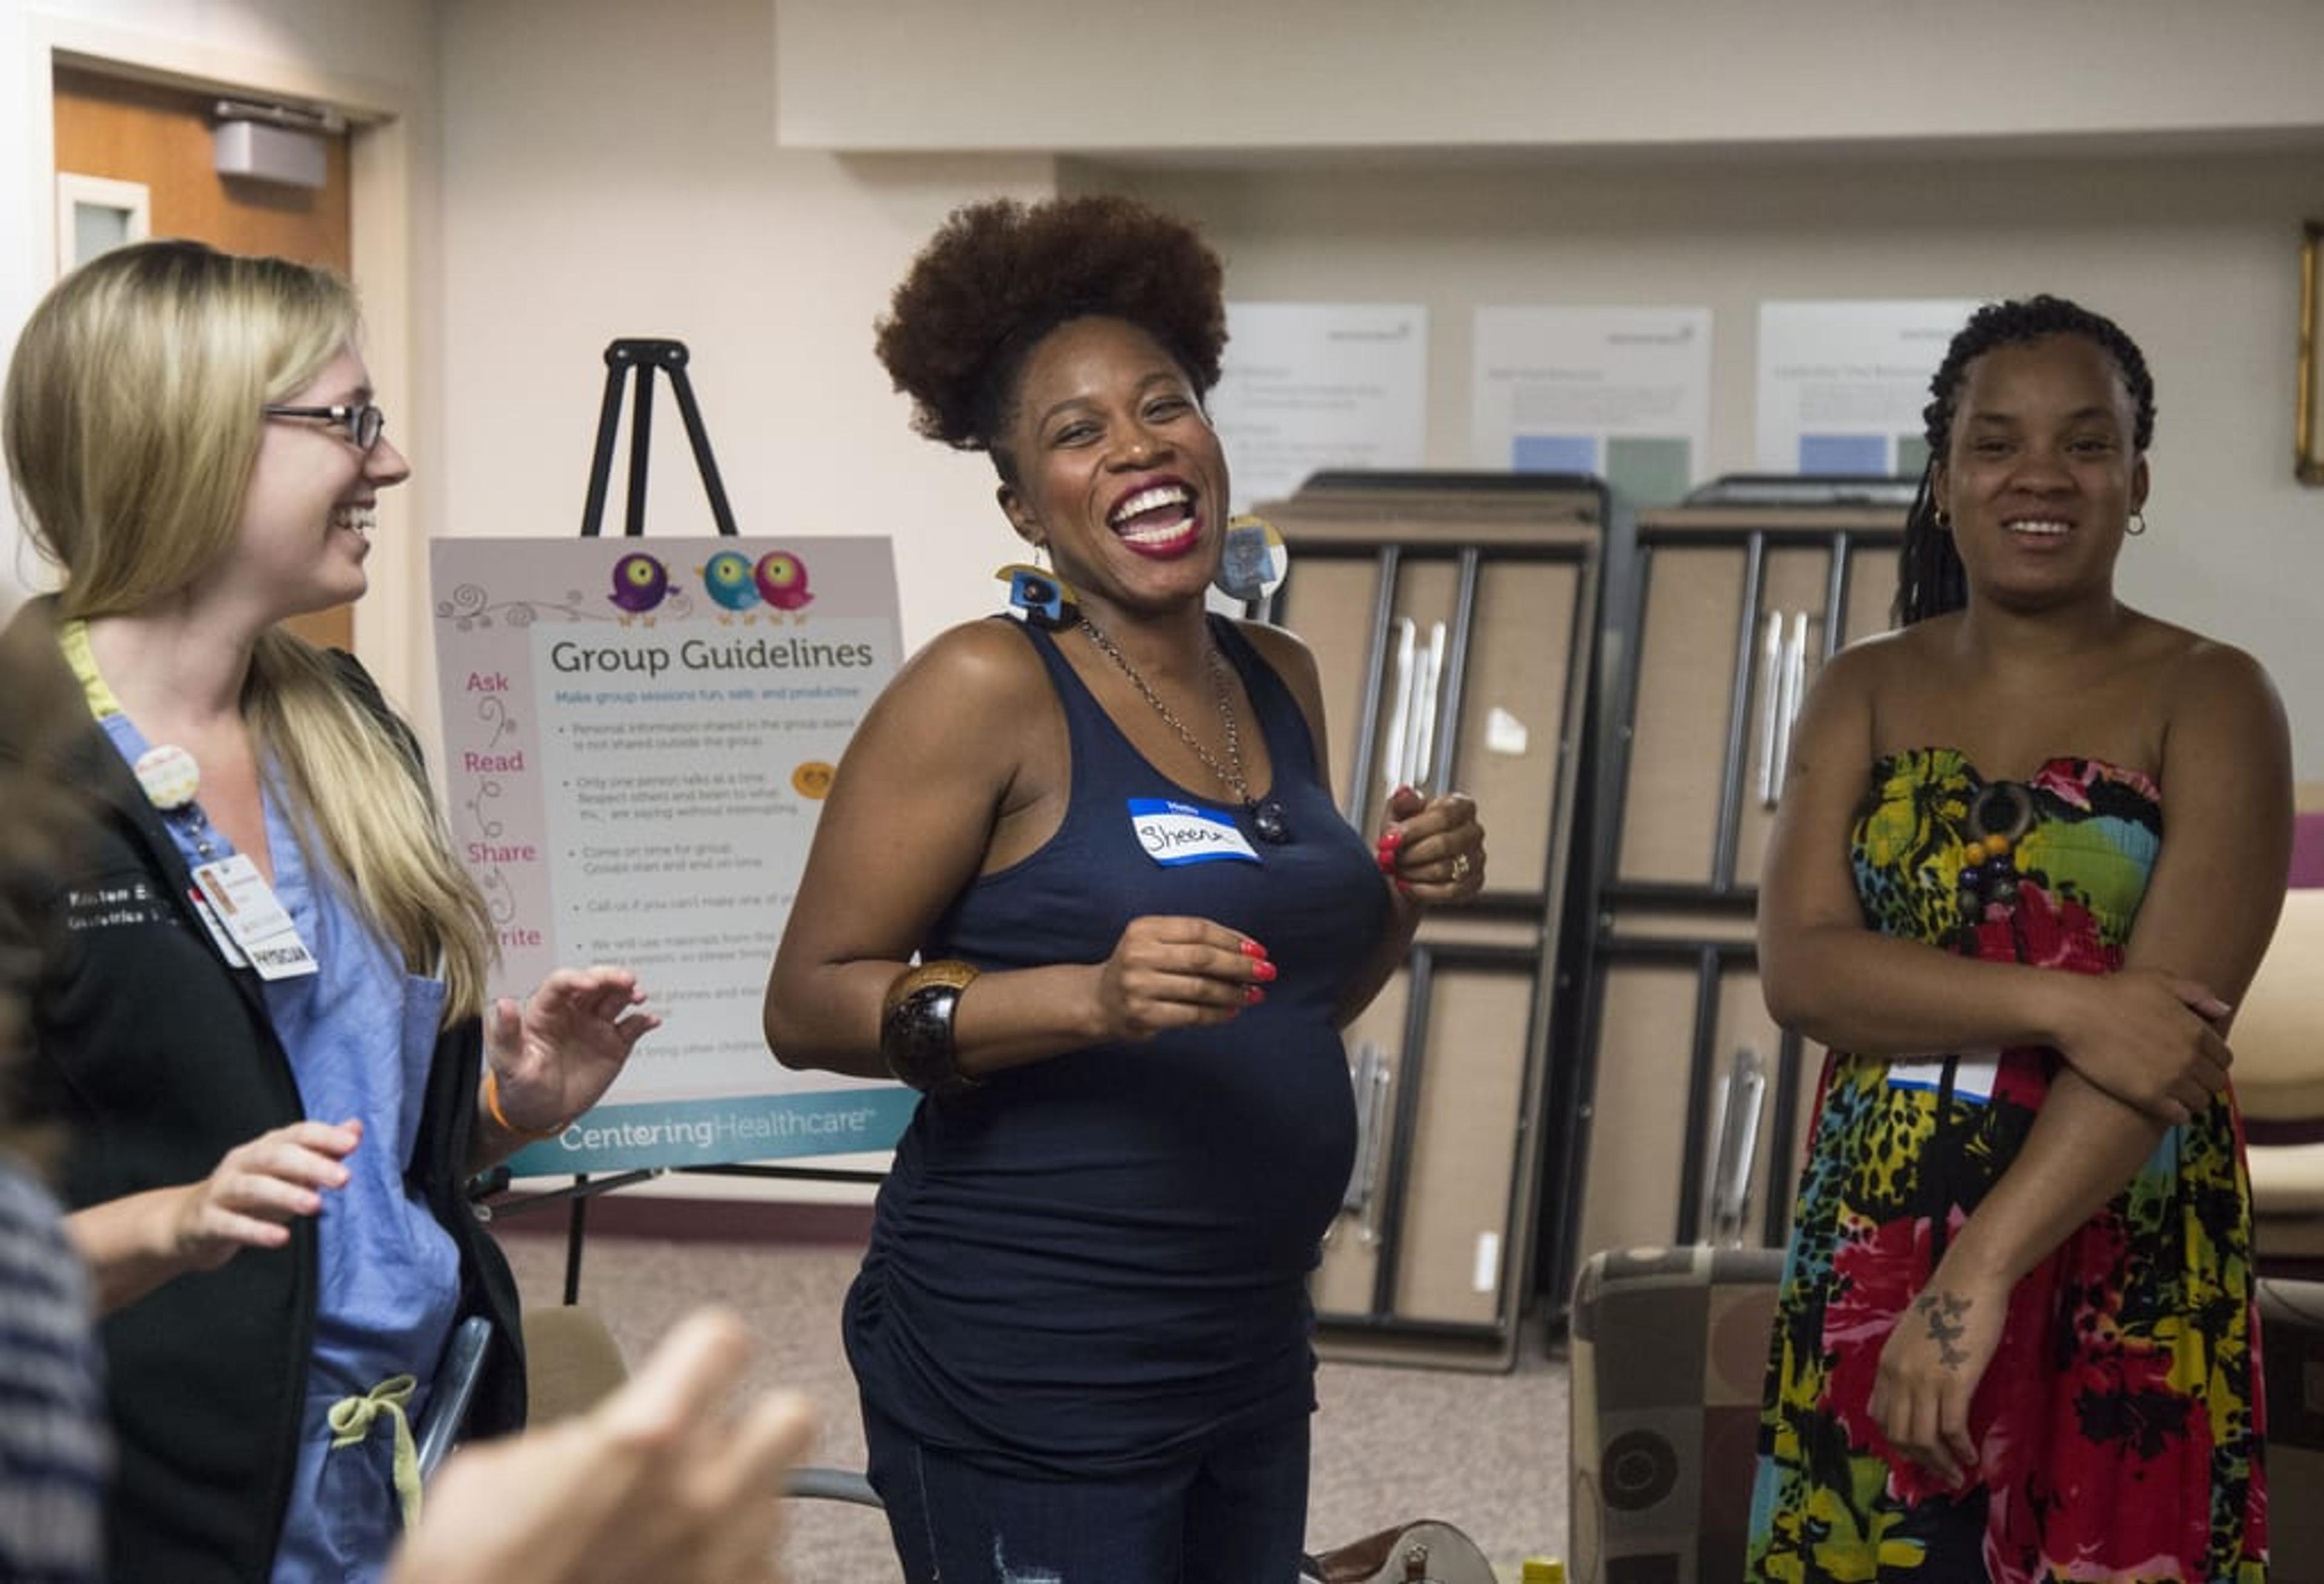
(492, 1108)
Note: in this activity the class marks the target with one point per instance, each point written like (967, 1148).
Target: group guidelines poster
(637, 736)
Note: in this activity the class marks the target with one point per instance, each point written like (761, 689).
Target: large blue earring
(1043, 597)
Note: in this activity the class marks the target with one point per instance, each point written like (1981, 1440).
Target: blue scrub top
(360, 1034)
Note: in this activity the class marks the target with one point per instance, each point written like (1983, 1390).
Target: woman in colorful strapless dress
(2017, 1337)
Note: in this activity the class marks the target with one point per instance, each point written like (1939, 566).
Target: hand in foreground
(2147, 1038)
(1434, 848)
(257, 1189)
(1168, 972)
(1929, 1370)
(659, 1482)
(564, 1047)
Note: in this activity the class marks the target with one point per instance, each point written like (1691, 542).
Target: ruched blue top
(1098, 1262)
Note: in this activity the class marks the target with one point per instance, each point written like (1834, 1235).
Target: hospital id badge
(248, 908)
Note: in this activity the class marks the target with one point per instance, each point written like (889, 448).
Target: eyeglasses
(363, 424)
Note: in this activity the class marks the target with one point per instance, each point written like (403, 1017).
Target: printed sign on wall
(1621, 392)
(1307, 387)
(1842, 384)
(638, 735)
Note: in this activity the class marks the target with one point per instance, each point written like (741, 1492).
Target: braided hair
(1930, 578)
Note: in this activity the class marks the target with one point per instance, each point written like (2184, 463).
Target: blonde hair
(131, 423)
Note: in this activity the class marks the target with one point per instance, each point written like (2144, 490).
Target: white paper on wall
(1620, 392)
(1310, 386)
(1841, 385)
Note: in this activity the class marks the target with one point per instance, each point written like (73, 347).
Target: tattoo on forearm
(1948, 1319)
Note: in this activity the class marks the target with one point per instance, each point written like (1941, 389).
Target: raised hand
(1169, 973)
(668, 1479)
(1433, 848)
(555, 1055)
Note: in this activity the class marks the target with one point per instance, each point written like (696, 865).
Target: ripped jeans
(1234, 1515)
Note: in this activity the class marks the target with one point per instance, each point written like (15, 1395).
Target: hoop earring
(2138, 524)
(1943, 520)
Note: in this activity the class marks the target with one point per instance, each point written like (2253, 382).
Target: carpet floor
(1484, 1452)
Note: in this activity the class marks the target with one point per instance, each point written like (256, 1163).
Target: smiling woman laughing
(1082, 1328)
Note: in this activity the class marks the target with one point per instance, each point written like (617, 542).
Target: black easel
(644, 357)
(623, 357)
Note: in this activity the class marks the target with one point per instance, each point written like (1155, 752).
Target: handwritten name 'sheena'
(1161, 838)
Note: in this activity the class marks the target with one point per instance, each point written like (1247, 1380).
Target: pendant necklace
(1265, 814)
(1998, 818)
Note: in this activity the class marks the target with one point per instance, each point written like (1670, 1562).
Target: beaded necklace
(1998, 818)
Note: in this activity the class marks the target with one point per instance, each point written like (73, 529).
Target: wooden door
(159, 138)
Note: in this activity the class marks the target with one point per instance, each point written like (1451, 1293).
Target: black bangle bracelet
(916, 1035)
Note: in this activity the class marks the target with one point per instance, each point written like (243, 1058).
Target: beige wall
(593, 168)
(1308, 74)
(615, 173)
(2193, 254)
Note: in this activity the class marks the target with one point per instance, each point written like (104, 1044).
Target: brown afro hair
(1000, 275)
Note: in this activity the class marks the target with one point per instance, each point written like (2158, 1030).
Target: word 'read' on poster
(1310, 386)
(1842, 384)
(1620, 392)
(638, 737)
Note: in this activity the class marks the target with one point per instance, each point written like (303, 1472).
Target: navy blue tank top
(1098, 1262)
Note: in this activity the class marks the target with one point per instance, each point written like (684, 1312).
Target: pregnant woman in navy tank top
(1082, 1329)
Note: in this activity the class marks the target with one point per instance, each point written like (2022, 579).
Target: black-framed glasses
(363, 424)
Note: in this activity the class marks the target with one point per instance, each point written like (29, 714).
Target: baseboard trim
(701, 1221)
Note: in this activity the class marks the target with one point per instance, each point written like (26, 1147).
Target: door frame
(383, 155)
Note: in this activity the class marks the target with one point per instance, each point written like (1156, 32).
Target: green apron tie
(350, 1421)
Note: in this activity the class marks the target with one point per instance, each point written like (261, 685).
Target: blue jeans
(1235, 1513)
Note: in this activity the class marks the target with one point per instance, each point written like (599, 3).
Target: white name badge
(216, 928)
(1973, 1076)
(255, 917)
(1173, 833)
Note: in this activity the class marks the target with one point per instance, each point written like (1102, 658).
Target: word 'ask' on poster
(638, 735)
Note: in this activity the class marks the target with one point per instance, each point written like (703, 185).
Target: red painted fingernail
(1264, 971)
(1252, 995)
(1250, 948)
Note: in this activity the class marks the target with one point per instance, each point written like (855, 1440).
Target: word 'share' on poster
(637, 736)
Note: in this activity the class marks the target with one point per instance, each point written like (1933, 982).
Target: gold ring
(1460, 865)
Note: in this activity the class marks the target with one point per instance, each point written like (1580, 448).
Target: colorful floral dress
(2118, 1425)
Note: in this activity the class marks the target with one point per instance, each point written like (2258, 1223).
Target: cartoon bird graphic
(726, 579)
(782, 579)
(640, 583)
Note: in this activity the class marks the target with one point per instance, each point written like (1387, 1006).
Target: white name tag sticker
(1173, 833)
(248, 908)
(1973, 1076)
